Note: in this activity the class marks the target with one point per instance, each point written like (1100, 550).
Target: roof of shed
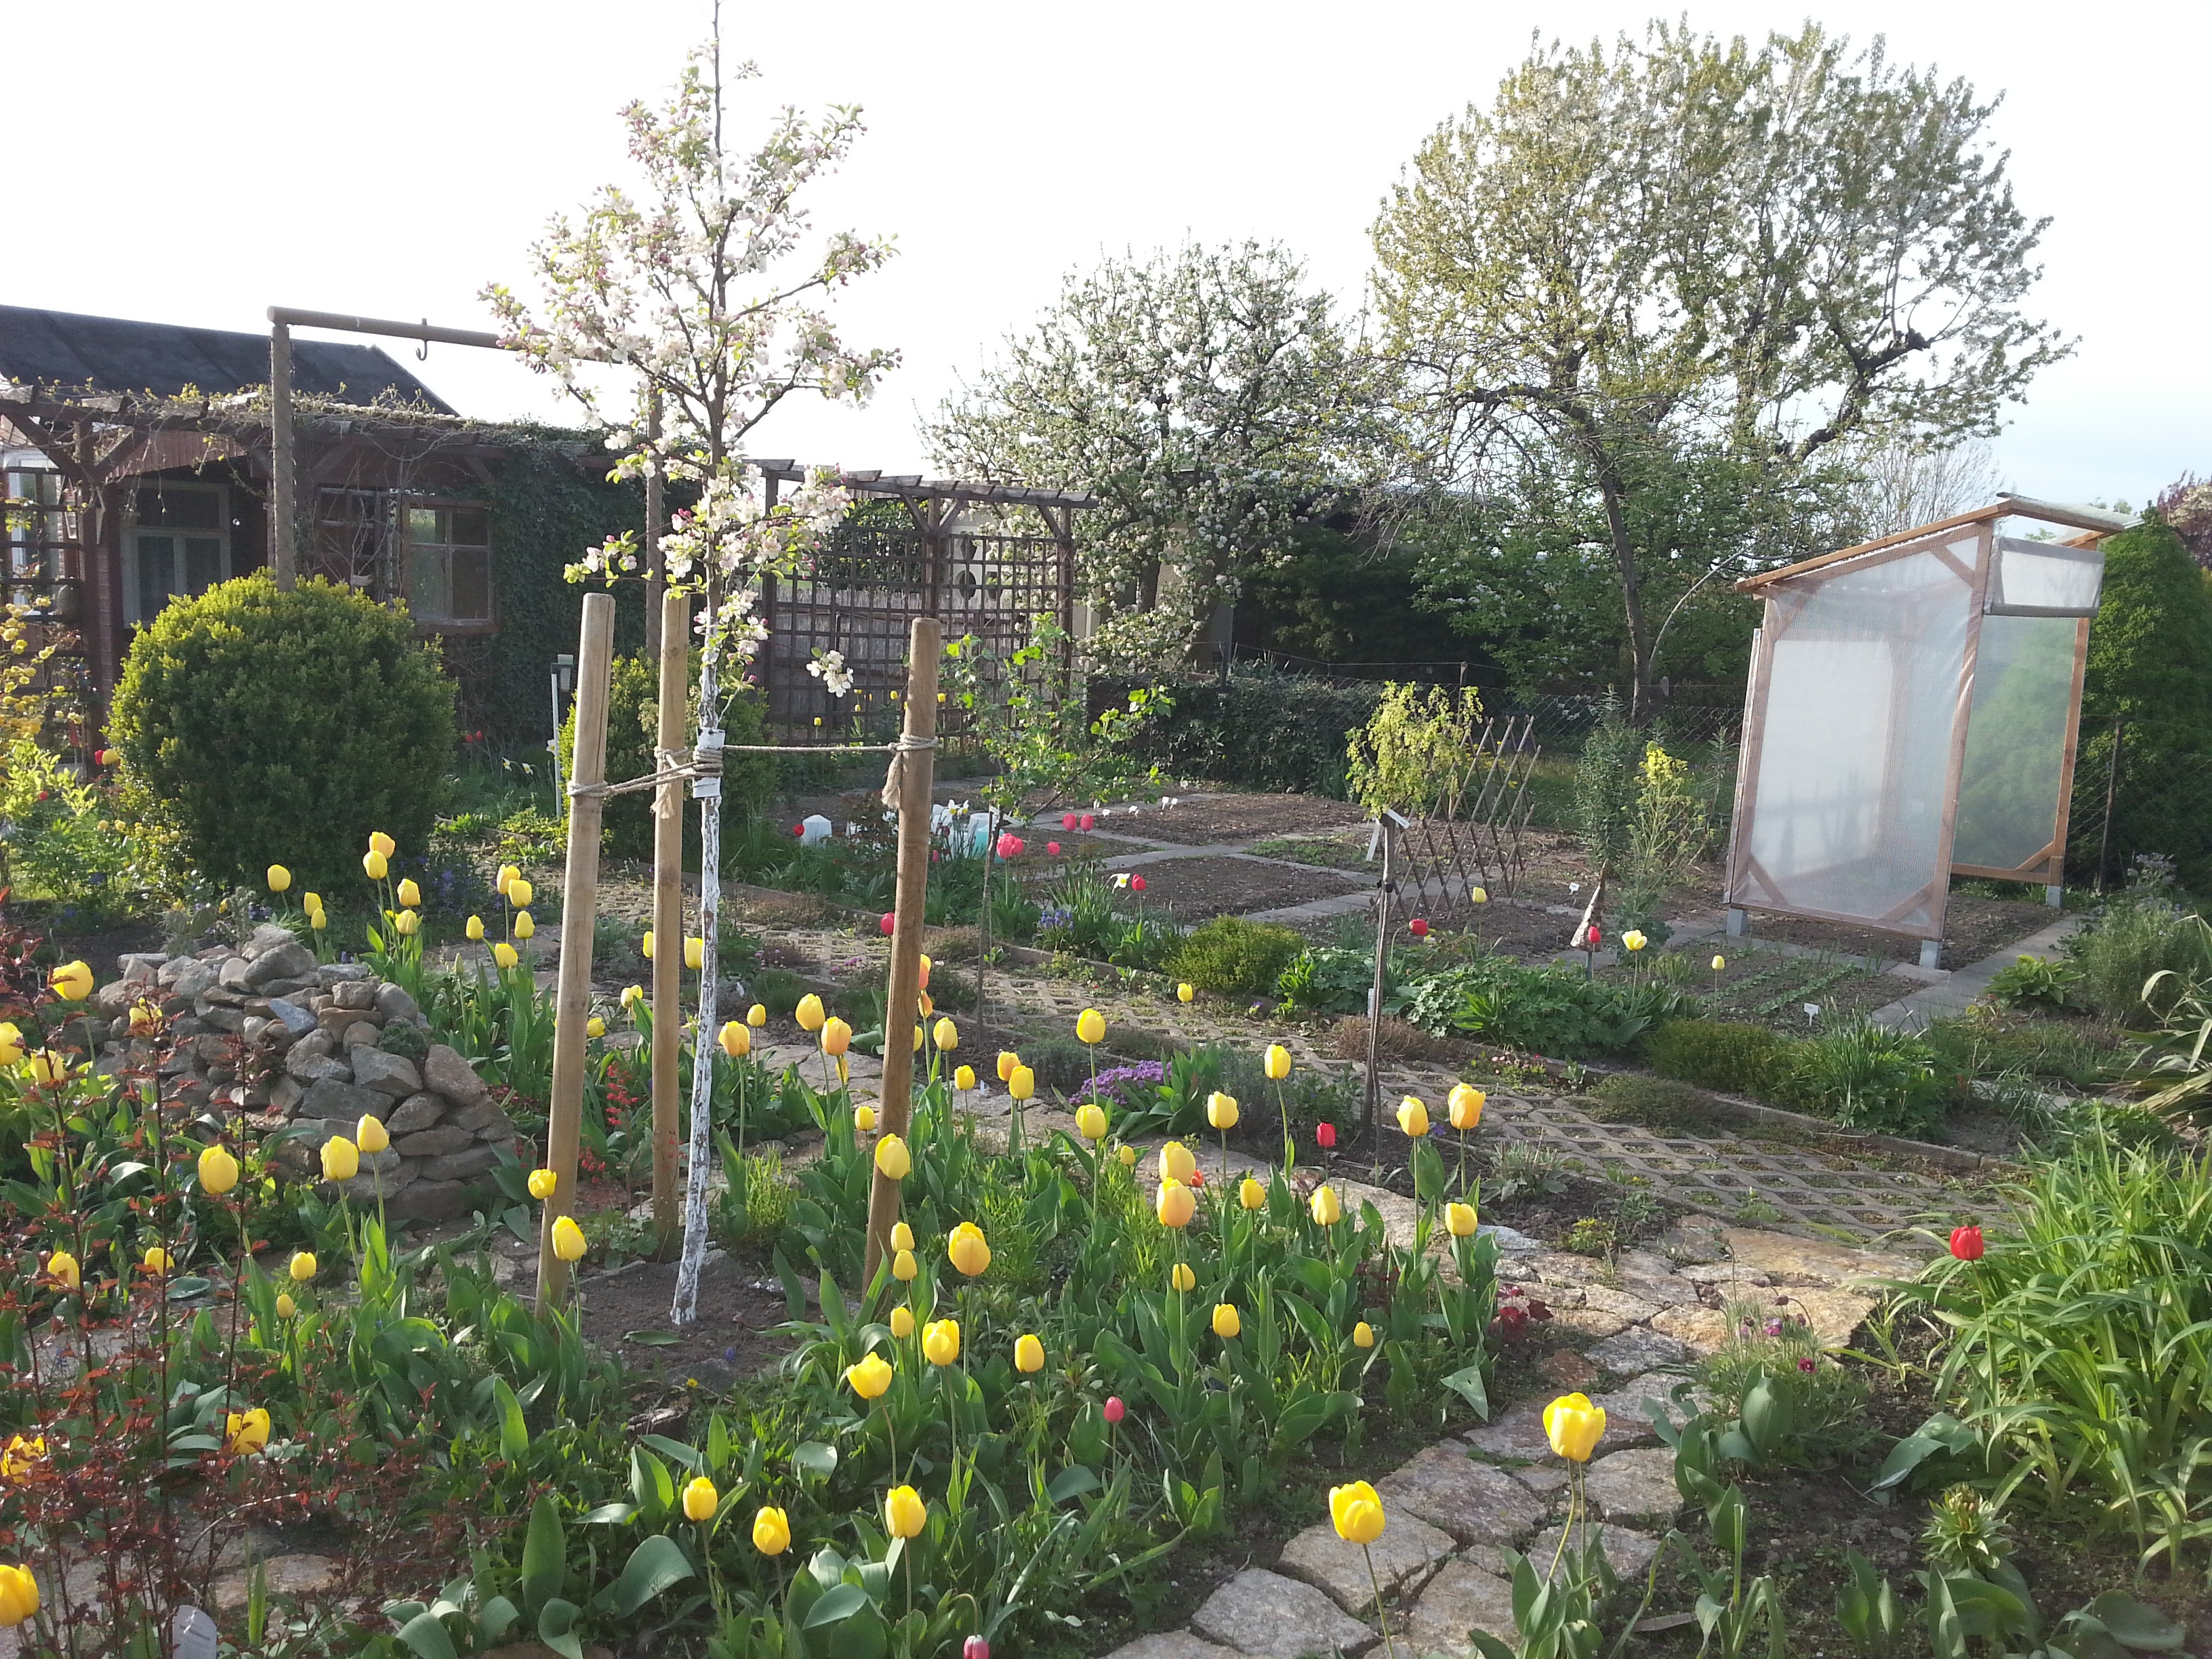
(61, 348)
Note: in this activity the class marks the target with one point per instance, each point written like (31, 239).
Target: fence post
(580, 893)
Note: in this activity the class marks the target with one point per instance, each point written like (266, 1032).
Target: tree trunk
(1632, 588)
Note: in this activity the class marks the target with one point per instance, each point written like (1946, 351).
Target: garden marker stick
(668, 912)
(580, 894)
(912, 772)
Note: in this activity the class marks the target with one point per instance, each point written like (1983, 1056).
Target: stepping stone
(1565, 1369)
(1588, 1322)
(284, 1575)
(1475, 1503)
(1461, 1598)
(1626, 1422)
(1629, 1309)
(1635, 1486)
(1544, 1480)
(1272, 1617)
(1628, 1553)
(1652, 1278)
(1174, 1645)
(1519, 1433)
(1639, 1348)
(1701, 1330)
(1812, 1261)
(1408, 1547)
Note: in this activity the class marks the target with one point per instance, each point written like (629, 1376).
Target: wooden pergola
(1911, 714)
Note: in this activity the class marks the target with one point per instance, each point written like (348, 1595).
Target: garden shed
(1911, 715)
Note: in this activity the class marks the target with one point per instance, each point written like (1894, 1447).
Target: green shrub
(2136, 937)
(1865, 1077)
(1235, 957)
(1718, 1053)
(61, 838)
(2029, 979)
(1551, 1011)
(1606, 788)
(267, 727)
(1261, 729)
(1656, 1102)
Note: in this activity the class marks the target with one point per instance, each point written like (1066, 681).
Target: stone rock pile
(305, 1050)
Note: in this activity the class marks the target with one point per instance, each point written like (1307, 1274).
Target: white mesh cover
(2016, 741)
(1845, 796)
(2045, 579)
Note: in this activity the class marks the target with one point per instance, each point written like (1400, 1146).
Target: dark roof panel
(110, 354)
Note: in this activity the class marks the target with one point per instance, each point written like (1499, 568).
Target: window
(449, 565)
(178, 542)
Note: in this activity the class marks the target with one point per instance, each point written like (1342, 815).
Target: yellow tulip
(1574, 1426)
(633, 998)
(218, 1171)
(1090, 1121)
(1176, 1162)
(1719, 962)
(143, 1019)
(945, 1035)
(568, 1239)
(508, 875)
(737, 1039)
(809, 1013)
(47, 1066)
(1091, 1026)
(904, 1513)
(157, 1260)
(1221, 1110)
(1185, 992)
(373, 863)
(505, 955)
(524, 926)
(1029, 1354)
(1478, 894)
(869, 1376)
(595, 1027)
(1466, 1106)
(940, 1342)
(303, 1266)
(864, 1120)
(313, 901)
(405, 923)
(475, 930)
(893, 1161)
(249, 1433)
(11, 1043)
(519, 893)
(967, 1249)
(341, 1159)
(1182, 1277)
(925, 970)
(370, 1135)
(1277, 1062)
(902, 1316)
(904, 1266)
(1127, 1156)
(544, 1183)
(62, 1266)
(409, 894)
(1413, 1118)
(700, 1498)
(72, 982)
(1355, 1512)
(1326, 1207)
(285, 1306)
(1227, 1322)
(1460, 1220)
(917, 1039)
(1176, 1204)
(646, 947)
(1251, 1194)
(280, 878)
(901, 1235)
(771, 1530)
(756, 1016)
(382, 845)
(1634, 939)
(1362, 1335)
(694, 954)
(1007, 1060)
(19, 1596)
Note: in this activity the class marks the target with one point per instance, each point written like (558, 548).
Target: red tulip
(1966, 1243)
(974, 1648)
(1115, 1411)
(1090, 821)
(799, 830)
(1136, 884)
(1592, 938)
(1053, 848)
(1418, 928)
(1068, 820)
(1326, 1134)
(888, 923)
(1198, 1179)
(1010, 846)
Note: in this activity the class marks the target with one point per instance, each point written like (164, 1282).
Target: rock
(417, 1111)
(232, 975)
(294, 1018)
(353, 994)
(1509, 1242)
(285, 987)
(283, 1575)
(286, 1093)
(359, 1034)
(393, 1003)
(250, 1027)
(1588, 1323)
(482, 1116)
(309, 1067)
(267, 937)
(194, 978)
(388, 1075)
(446, 1071)
(1565, 1369)
(1631, 1309)
(138, 966)
(1692, 1238)
(342, 1102)
(1701, 1330)
(1461, 1598)
(1652, 1278)
(228, 1019)
(1627, 1421)
(1519, 1433)
(339, 973)
(1174, 1645)
(1542, 1479)
(429, 1200)
(1628, 1553)
(1636, 1349)
(1476, 1503)
(1635, 1486)
(336, 1022)
(211, 1049)
(432, 1143)
(460, 1166)
(1264, 1613)
(501, 1127)
(1407, 1550)
(380, 1186)
(289, 960)
(1804, 1260)
(115, 997)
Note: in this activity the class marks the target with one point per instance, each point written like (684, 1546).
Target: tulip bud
(700, 1498)
(771, 1530)
(544, 1183)
(1023, 1084)
(508, 875)
(524, 926)
(370, 1135)
(1091, 1026)
(1277, 1062)
(280, 878)
(864, 1120)
(893, 1161)
(157, 1259)
(1251, 1194)
(1114, 1410)
(1465, 1105)
(1185, 992)
(1221, 1111)
(218, 1171)
(1227, 1322)
(1327, 1209)
(694, 954)
(595, 1027)
(568, 1239)
(1090, 1121)
(341, 1159)
(505, 955)
(64, 1266)
(756, 1016)
(902, 1316)
(737, 1039)
(1355, 1512)
(904, 1513)
(475, 929)
(940, 1342)
(285, 1306)
(1413, 1118)
(647, 948)
(382, 845)
(72, 982)
(967, 1249)
(1029, 1354)
(372, 864)
(945, 1035)
(1176, 1204)
(1007, 1060)
(1176, 1163)
(809, 1013)
(1460, 1220)
(519, 893)
(904, 1266)
(409, 894)
(1362, 1335)
(1181, 1278)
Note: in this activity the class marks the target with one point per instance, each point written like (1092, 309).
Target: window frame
(408, 506)
(179, 571)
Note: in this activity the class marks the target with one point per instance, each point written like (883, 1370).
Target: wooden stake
(284, 478)
(668, 916)
(1382, 895)
(580, 894)
(902, 1001)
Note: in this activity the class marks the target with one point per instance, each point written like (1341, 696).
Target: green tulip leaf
(675, 1451)
(426, 1637)
(838, 1601)
(544, 1555)
(813, 1457)
(611, 1515)
(514, 1432)
(557, 1628)
(653, 1565)
(2136, 1623)
(1074, 1481)
(1467, 1384)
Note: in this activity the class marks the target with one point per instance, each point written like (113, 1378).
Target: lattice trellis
(1472, 838)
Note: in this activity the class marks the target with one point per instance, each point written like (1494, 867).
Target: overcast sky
(198, 164)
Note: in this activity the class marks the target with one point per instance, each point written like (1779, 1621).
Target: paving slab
(1271, 1617)
(1637, 1349)
(1787, 1259)
(1634, 1486)
(1174, 1645)
(1627, 1552)
(1461, 1598)
(1408, 1547)
(1476, 1503)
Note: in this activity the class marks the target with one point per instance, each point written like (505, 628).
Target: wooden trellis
(1471, 840)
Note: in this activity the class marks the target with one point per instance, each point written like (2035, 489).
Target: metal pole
(1382, 970)
(560, 797)
(2111, 792)
(668, 915)
(283, 546)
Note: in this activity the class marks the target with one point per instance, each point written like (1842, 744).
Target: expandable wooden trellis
(1471, 841)
(1911, 714)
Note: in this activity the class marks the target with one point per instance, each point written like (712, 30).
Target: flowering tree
(702, 288)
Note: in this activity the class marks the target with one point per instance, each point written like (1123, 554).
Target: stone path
(1453, 1507)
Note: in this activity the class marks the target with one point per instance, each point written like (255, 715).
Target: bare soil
(1231, 819)
(739, 1308)
(1195, 888)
